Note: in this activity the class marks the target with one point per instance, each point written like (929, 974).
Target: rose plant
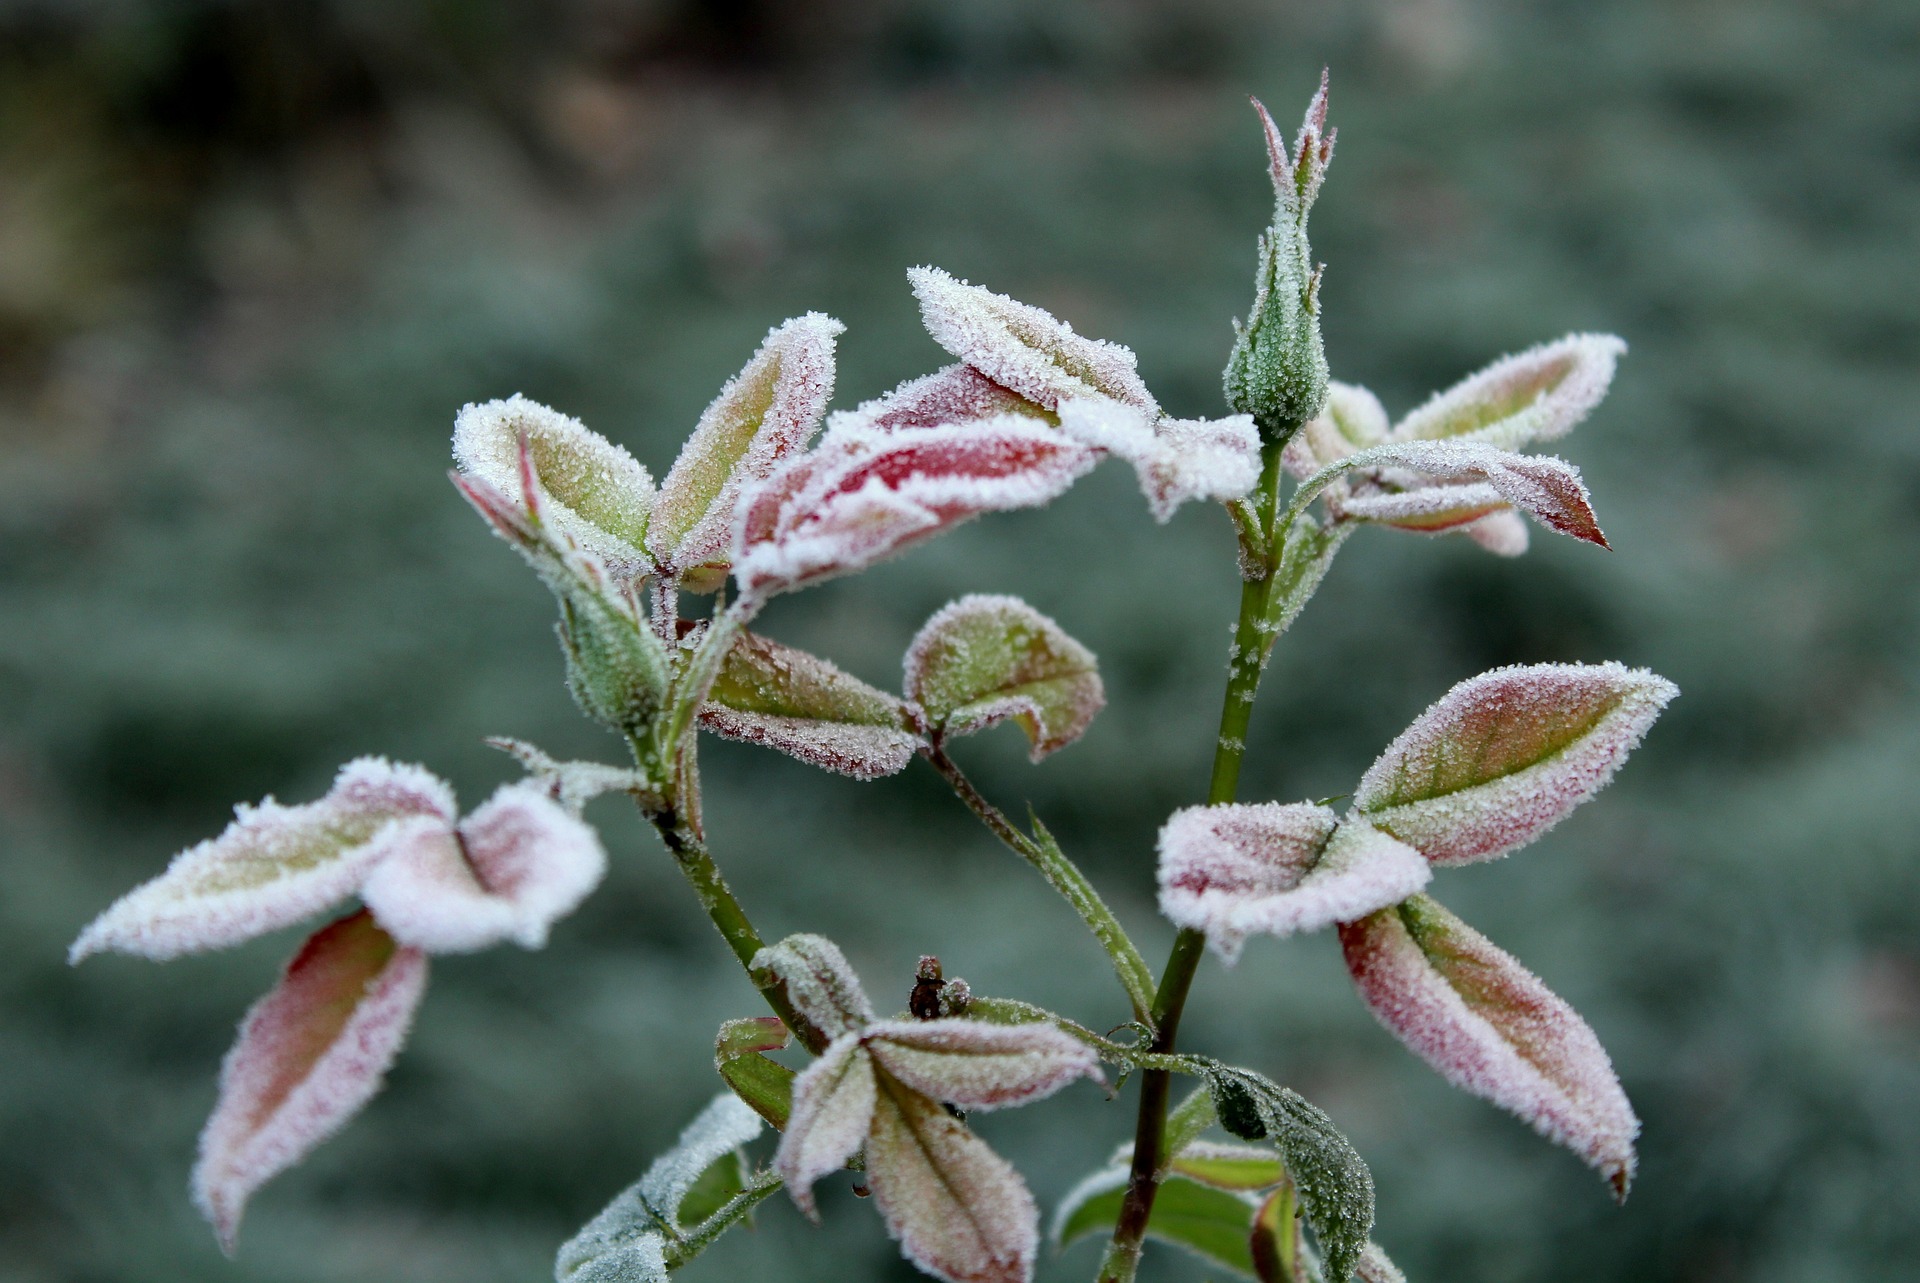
(771, 494)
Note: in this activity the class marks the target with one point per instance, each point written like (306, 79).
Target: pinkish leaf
(273, 866)
(980, 1066)
(1353, 420)
(1504, 534)
(955, 394)
(798, 703)
(833, 1105)
(1177, 460)
(511, 869)
(819, 982)
(310, 1055)
(1491, 1028)
(1536, 395)
(1299, 171)
(1503, 757)
(593, 490)
(1023, 347)
(849, 505)
(764, 414)
(1374, 1266)
(1547, 488)
(1234, 869)
(983, 659)
(959, 1211)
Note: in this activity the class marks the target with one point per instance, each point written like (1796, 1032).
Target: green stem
(1064, 876)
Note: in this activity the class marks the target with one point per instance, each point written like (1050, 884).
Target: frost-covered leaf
(595, 492)
(1177, 460)
(1351, 421)
(1490, 1027)
(1334, 1185)
(1234, 869)
(1226, 1166)
(765, 1085)
(310, 1055)
(1503, 757)
(983, 659)
(833, 1106)
(1211, 1223)
(508, 872)
(273, 866)
(854, 502)
(1548, 489)
(571, 784)
(819, 982)
(1375, 1267)
(958, 1210)
(1535, 395)
(1023, 347)
(640, 1259)
(980, 1066)
(785, 698)
(954, 394)
(1308, 551)
(1504, 534)
(764, 414)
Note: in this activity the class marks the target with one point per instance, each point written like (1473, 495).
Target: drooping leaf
(1503, 757)
(952, 395)
(1546, 488)
(273, 866)
(958, 1210)
(819, 981)
(510, 870)
(310, 1055)
(765, 1085)
(983, 659)
(1211, 1223)
(764, 414)
(595, 492)
(1334, 1185)
(798, 703)
(1177, 460)
(1234, 869)
(858, 500)
(1025, 348)
(833, 1106)
(980, 1066)
(1535, 395)
(1490, 1027)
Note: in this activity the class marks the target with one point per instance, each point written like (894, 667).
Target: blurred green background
(254, 255)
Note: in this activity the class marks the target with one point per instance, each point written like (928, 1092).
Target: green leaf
(765, 1085)
(714, 1188)
(1305, 555)
(1230, 1167)
(984, 659)
(787, 699)
(1211, 1223)
(1334, 1184)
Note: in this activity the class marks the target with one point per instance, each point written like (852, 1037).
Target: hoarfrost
(954, 394)
(1177, 460)
(980, 1066)
(984, 658)
(1537, 395)
(787, 699)
(833, 1106)
(1503, 757)
(571, 784)
(1546, 488)
(1490, 1027)
(310, 1055)
(819, 982)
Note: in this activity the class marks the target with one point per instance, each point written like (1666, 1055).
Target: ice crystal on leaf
(819, 982)
(787, 699)
(310, 1054)
(595, 492)
(1233, 869)
(1537, 395)
(1490, 1027)
(980, 1066)
(1503, 757)
(763, 415)
(984, 659)
(1177, 460)
(1025, 348)
(857, 500)
(953, 394)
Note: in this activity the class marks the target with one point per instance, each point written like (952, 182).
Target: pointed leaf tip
(1505, 756)
(310, 1055)
(833, 1107)
(983, 659)
(1491, 1028)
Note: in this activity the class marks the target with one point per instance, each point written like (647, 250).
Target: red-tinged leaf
(959, 1211)
(587, 487)
(980, 1066)
(1353, 420)
(273, 866)
(850, 505)
(514, 867)
(1177, 460)
(955, 394)
(1548, 489)
(1503, 757)
(1235, 869)
(1535, 395)
(765, 1085)
(819, 982)
(833, 1106)
(787, 699)
(1025, 348)
(1491, 1028)
(1424, 509)
(764, 414)
(983, 659)
(310, 1055)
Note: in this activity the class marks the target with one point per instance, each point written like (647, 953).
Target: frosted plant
(775, 493)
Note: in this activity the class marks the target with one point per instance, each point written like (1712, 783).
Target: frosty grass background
(254, 256)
